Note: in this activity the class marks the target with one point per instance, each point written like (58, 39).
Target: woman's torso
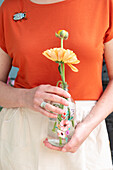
(86, 22)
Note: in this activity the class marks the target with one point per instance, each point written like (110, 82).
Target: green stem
(73, 123)
(69, 113)
(62, 73)
(61, 42)
(63, 68)
(60, 141)
(58, 83)
(54, 127)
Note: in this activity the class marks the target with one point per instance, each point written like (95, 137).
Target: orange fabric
(89, 23)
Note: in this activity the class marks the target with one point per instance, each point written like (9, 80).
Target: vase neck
(64, 86)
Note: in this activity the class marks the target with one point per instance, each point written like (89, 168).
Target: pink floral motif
(8, 80)
(61, 134)
(58, 126)
(67, 132)
(65, 125)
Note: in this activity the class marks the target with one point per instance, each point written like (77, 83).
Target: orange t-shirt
(89, 23)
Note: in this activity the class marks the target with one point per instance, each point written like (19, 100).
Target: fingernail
(44, 142)
(63, 150)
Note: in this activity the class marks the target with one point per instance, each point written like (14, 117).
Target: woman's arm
(9, 96)
(100, 111)
(31, 98)
(104, 106)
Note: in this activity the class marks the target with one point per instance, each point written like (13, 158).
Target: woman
(23, 123)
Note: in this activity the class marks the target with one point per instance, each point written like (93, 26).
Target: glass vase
(61, 129)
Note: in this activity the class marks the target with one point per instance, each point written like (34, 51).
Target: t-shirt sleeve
(109, 32)
(2, 33)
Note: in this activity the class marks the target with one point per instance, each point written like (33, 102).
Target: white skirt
(22, 132)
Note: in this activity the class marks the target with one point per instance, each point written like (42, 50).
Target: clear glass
(61, 129)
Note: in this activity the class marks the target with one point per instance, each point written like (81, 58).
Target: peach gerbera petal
(67, 55)
(75, 61)
(61, 53)
(73, 67)
(48, 56)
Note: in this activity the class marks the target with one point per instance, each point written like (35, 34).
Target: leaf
(54, 127)
(61, 106)
(66, 139)
(73, 123)
(57, 35)
(56, 61)
(60, 141)
(59, 69)
(69, 113)
(59, 117)
(70, 118)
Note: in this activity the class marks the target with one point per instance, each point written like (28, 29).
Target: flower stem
(63, 68)
(62, 73)
(58, 82)
(61, 42)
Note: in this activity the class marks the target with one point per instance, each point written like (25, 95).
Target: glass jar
(61, 129)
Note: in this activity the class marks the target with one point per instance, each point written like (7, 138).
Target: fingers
(56, 90)
(50, 94)
(53, 109)
(45, 113)
(47, 144)
(71, 146)
(48, 107)
(54, 98)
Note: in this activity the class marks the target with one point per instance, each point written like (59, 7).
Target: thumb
(67, 147)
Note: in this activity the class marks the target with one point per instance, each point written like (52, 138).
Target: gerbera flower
(63, 56)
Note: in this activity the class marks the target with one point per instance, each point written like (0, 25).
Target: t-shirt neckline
(46, 5)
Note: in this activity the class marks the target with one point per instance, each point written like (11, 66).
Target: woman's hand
(35, 96)
(80, 134)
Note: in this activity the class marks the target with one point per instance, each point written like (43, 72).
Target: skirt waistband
(85, 102)
(83, 108)
(84, 105)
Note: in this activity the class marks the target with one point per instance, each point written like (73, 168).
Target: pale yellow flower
(62, 55)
